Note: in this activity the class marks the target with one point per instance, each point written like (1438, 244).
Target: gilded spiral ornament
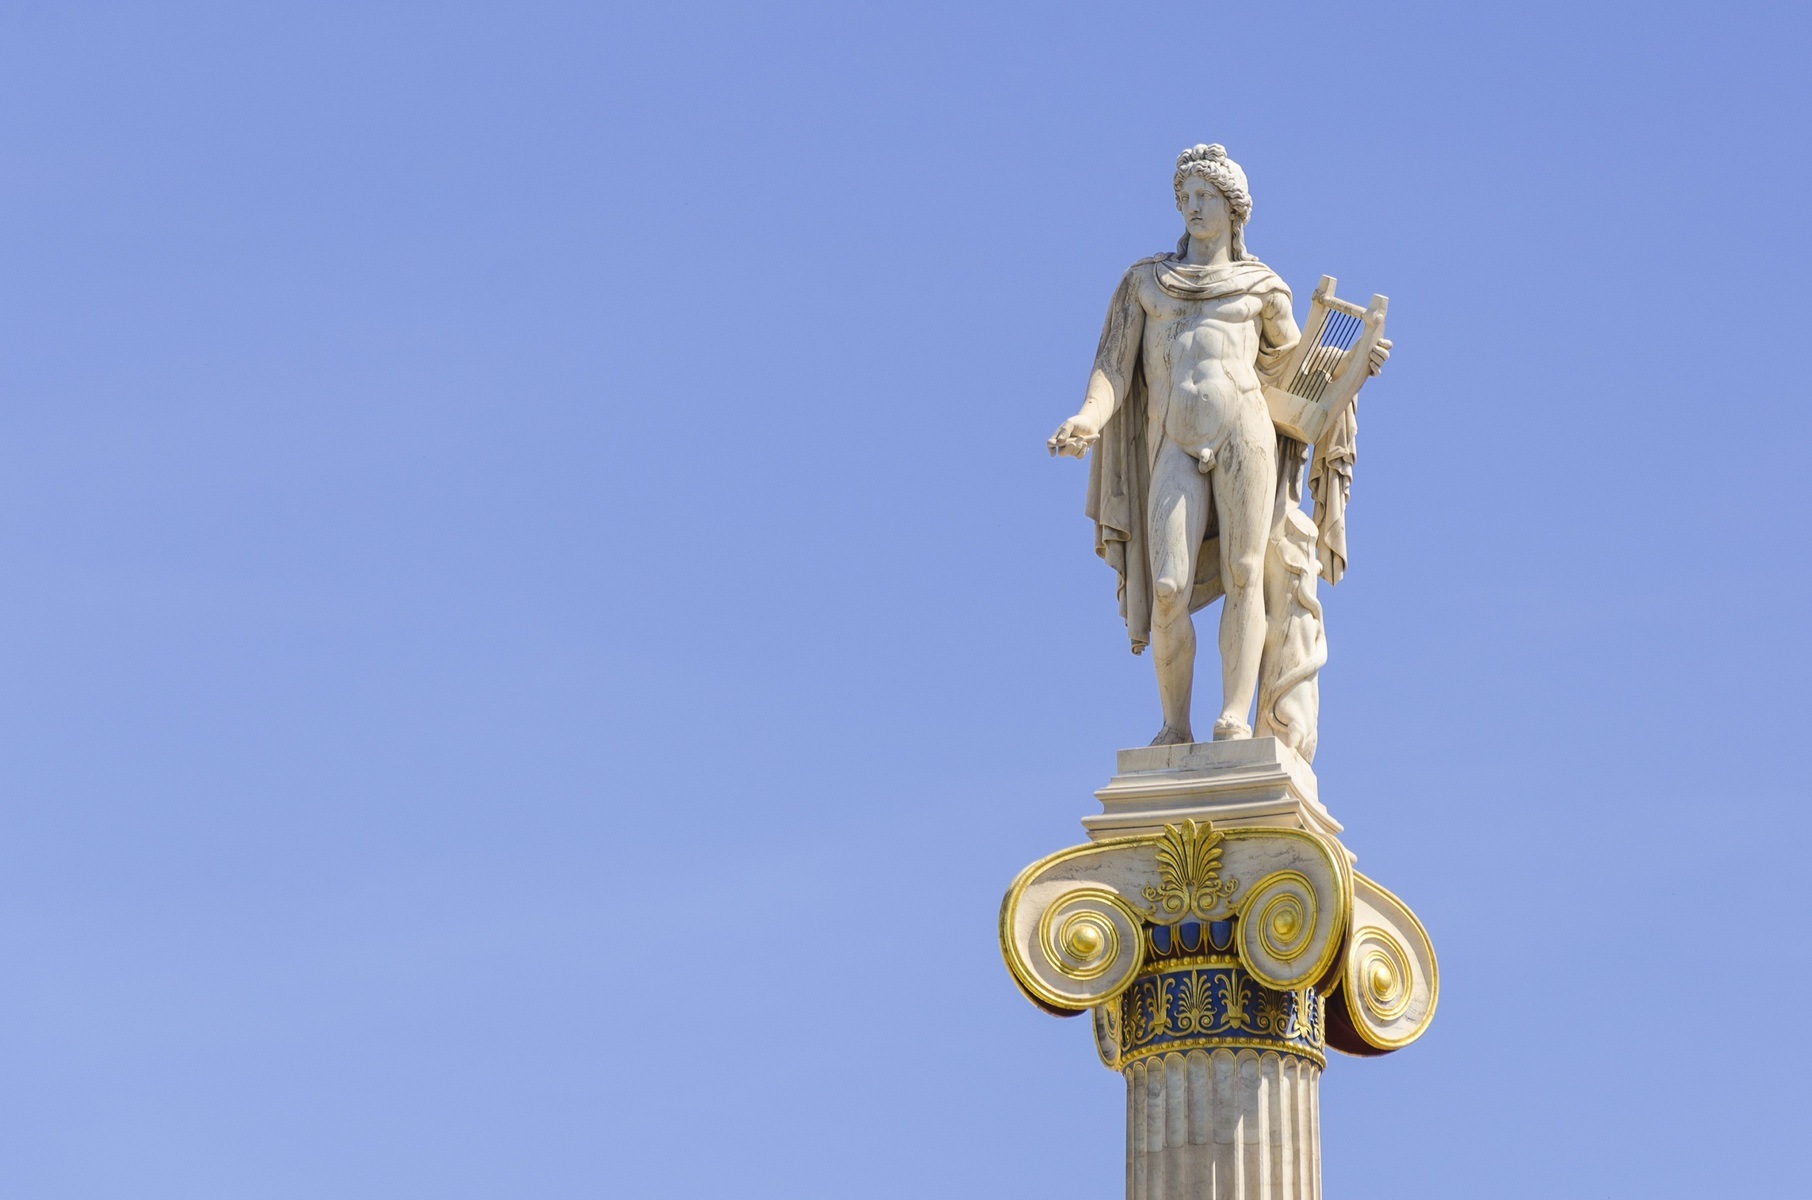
(1288, 936)
(1284, 925)
(1084, 943)
(1084, 949)
(1389, 981)
(1384, 974)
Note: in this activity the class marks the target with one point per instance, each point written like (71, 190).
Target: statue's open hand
(1073, 438)
(1379, 355)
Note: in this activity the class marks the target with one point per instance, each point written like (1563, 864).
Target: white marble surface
(1194, 485)
(1254, 781)
(1223, 1125)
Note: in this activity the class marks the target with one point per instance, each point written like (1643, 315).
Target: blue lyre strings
(1337, 335)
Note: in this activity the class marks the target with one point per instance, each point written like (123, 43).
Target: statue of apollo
(1185, 485)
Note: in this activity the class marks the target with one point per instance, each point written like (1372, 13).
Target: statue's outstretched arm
(1115, 358)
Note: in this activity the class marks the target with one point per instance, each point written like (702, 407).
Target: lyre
(1323, 374)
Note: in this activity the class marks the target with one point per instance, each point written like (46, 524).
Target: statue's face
(1204, 209)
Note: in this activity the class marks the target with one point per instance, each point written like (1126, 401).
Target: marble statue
(1214, 929)
(1194, 488)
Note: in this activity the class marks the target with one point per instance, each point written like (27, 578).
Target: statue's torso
(1200, 359)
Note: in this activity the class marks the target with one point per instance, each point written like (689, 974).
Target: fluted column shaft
(1223, 1075)
(1223, 1124)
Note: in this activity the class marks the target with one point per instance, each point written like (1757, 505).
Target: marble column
(1222, 1075)
(1223, 1125)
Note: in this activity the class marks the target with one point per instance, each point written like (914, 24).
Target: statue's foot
(1228, 730)
(1170, 735)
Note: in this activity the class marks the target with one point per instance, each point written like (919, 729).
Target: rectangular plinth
(1252, 781)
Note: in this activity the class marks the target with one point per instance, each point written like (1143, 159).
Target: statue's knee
(1244, 571)
(1169, 595)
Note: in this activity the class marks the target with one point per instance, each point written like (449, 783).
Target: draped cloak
(1120, 464)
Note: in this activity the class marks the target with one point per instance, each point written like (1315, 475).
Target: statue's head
(1212, 196)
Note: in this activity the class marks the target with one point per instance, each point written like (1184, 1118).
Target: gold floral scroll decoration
(1191, 883)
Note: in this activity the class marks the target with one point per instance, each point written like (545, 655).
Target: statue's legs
(1244, 480)
(1180, 502)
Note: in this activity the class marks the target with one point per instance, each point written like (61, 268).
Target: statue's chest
(1180, 316)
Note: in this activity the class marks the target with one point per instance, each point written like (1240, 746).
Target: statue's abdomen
(1207, 356)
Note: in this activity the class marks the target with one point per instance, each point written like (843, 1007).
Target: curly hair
(1212, 164)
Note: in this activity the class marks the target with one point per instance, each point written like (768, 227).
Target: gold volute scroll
(1289, 935)
(1389, 981)
(1084, 948)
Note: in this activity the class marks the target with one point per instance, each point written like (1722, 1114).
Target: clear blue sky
(536, 623)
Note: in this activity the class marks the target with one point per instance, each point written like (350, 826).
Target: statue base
(1250, 782)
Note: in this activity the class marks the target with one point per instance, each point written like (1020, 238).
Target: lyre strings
(1338, 333)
